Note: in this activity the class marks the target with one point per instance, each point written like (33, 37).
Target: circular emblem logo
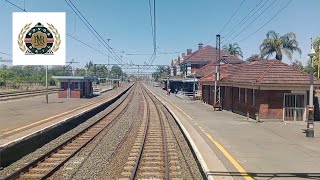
(39, 39)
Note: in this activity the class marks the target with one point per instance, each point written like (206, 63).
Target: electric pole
(217, 102)
(47, 98)
(109, 63)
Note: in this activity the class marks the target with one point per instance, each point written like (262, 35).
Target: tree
(161, 72)
(116, 72)
(297, 64)
(274, 43)
(254, 57)
(233, 49)
(316, 59)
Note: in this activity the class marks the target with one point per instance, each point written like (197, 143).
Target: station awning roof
(74, 78)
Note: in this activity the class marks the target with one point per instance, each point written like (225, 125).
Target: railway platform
(231, 147)
(22, 117)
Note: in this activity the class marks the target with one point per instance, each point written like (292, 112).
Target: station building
(184, 68)
(75, 86)
(263, 90)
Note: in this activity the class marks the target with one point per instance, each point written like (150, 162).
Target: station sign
(38, 38)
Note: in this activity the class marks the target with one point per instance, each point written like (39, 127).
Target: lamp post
(310, 123)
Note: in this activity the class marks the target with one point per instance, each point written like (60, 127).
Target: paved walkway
(21, 112)
(274, 150)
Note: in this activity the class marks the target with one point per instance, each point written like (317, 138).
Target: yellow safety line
(230, 158)
(220, 147)
(55, 116)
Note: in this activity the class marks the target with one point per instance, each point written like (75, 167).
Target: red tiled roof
(263, 72)
(209, 53)
(211, 67)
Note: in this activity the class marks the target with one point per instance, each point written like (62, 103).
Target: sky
(180, 24)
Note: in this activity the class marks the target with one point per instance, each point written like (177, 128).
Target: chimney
(189, 51)
(200, 46)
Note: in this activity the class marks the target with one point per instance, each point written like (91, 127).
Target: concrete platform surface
(21, 117)
(247, 149)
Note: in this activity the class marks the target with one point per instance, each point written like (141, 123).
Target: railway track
(17, 95)
(46, 165)
(154, 154)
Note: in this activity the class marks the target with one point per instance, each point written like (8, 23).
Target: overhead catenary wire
(16, 5)
(231, 17)
(267, 21)
(5, 53)
(153, 28)
(237, 26)
(74, 38)
(250, 23)
(93, 30)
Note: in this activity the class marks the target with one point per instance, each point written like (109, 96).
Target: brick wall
(75, 93)
(270, 103)
(62, 94)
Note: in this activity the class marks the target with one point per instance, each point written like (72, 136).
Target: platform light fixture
(310, 122)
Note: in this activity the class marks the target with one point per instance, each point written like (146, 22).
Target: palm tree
(233, 49)
(274, 43)
(254, 57)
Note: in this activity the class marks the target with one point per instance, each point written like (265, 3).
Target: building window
(253, 97)
(76, 85)
(245, 96)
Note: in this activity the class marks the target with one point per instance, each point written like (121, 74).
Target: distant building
(75, 86)
(185, 66)
(203, 56)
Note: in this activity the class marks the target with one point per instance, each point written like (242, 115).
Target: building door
(294, 107)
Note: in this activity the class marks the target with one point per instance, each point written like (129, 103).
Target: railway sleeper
(31, 176)
(150, 168)
(130, 163)
(175, 174)
(54, 159)
(66, 151)
(155, 154)
(57, 155)
(47, 164)
(38, 170)
(153, 150)
(151, 175)
(153, 163)
(151, 158)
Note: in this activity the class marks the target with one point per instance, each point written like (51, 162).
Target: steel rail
(8, 94)
(42, 158)
(163, 137)
(135, 170)
(119, 145)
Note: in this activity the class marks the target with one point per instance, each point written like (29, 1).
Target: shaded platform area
(236, 148)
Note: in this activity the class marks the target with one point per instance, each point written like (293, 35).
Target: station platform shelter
(75, 86)
(180, 84)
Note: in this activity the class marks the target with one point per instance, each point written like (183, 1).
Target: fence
(22, 86)
(188, 95)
